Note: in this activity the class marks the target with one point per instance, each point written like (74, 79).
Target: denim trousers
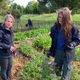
(6, 65)
(63, 67)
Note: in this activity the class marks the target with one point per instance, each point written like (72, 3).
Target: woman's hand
(51, 60)
(70, 45)
(12, 48)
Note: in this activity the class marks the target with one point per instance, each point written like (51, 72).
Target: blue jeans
(63, 66)
(6, 65)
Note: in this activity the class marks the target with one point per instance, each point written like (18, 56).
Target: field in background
(41, 21)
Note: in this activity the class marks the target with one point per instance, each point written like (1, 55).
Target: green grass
(47, 19)
(41, 21)
(76, 17)
(42, 17)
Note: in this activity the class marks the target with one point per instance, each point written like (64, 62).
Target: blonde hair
(9, 15)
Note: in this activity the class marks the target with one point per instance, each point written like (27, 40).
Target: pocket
(70, 55)
(70, 66)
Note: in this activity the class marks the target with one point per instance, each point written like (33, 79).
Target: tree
(32, 7)
(16, 10)
(42, 6)
(54, 4)
(4, 6)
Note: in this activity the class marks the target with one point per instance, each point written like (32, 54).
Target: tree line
(39, 7)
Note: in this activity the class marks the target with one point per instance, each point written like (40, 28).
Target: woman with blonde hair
(6, 47)
(65, 37)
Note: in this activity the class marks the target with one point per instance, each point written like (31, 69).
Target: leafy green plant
(26, 49)
(29, 34)
(32, 70)
(77, 54)
(42, 42)
(19, 36)
(38, 69)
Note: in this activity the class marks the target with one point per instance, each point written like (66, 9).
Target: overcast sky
(23, 2)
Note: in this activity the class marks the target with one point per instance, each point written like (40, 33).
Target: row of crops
(21, 25)
(35, 43)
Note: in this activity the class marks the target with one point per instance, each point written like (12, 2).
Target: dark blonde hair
(66, 20)
(9, 15)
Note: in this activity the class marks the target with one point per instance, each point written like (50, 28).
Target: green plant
(26, 49)
(77, 54)
(29, 34)
(32, 70)
(19, 36)
(42, 42)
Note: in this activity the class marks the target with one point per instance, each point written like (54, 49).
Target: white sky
(22, 2)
